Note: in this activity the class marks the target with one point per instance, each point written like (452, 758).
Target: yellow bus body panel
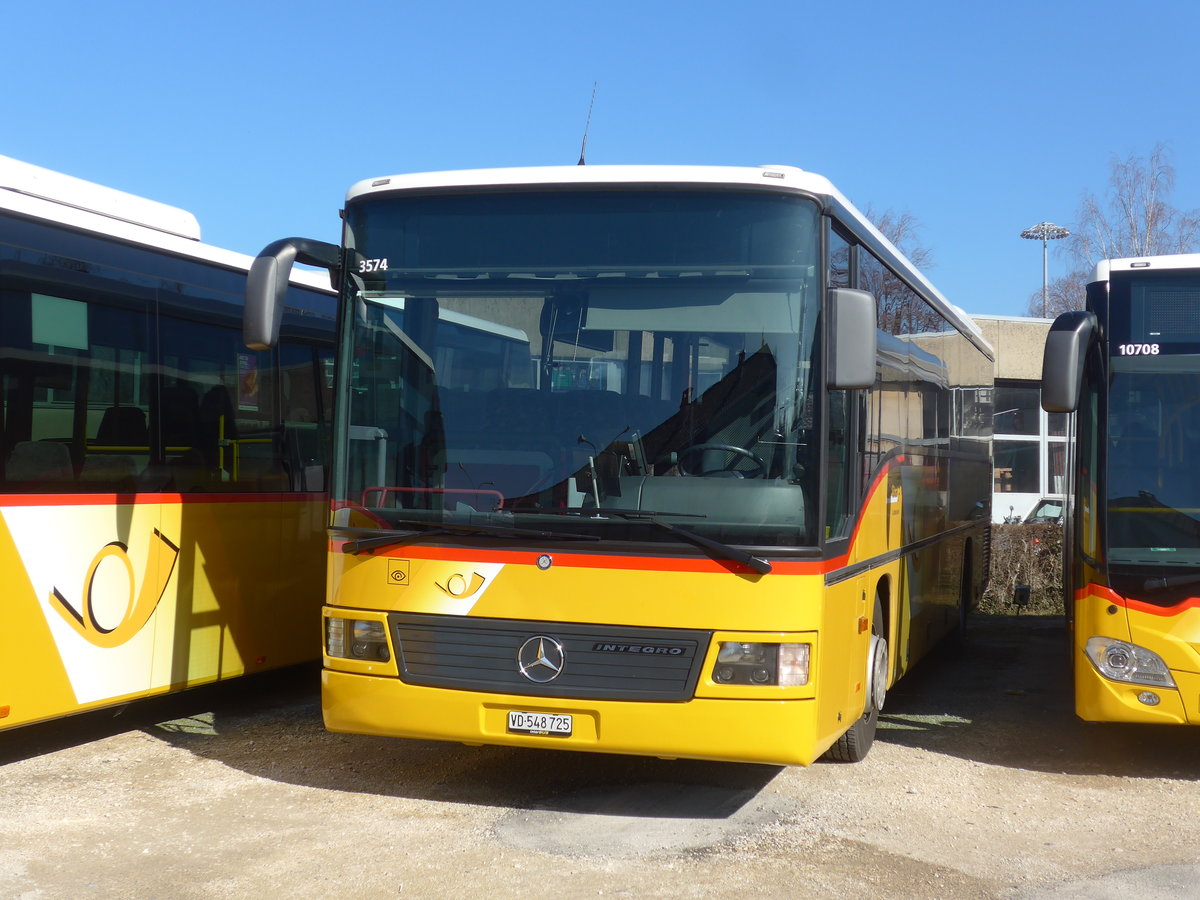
(111, 600)
(779, 732)
(819, 599)
(571, 591)
(1172, 634)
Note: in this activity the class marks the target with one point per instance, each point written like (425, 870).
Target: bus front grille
(549, 659)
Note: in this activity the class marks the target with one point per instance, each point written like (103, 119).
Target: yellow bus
(1129, 368)
(162, 496)
(681, 461)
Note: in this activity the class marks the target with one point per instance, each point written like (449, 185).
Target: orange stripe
(598, 561)
(1163, 612)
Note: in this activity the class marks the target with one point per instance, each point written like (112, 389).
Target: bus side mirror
(852, 340)
(267, 284)
(1062, 365)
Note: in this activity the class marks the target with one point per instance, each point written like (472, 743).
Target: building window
(1016, 467)
(1018, 408)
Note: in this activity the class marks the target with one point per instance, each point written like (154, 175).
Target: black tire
(854, 744)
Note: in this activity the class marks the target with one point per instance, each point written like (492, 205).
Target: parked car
(1047, 511)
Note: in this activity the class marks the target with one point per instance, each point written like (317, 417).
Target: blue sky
(978, 120)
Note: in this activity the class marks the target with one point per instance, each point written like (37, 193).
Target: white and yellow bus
(1129, 368)
(681, 461)
(162, 495)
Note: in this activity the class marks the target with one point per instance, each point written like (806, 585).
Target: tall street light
(1044, 232)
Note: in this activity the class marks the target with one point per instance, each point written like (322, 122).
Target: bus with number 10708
(1128, 367)
(676, 461)
(162, 489)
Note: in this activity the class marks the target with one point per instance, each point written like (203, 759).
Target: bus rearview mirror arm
(852, 339)
(1062, 365)
(267, 284)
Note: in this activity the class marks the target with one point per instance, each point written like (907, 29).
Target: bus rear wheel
(858, 738)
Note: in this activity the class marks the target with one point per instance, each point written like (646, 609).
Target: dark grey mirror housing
(1062, 365)
(852, 339)
(267, 284)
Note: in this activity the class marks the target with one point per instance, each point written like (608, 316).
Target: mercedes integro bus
(681, 461)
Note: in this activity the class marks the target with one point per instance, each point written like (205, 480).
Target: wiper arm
(757, 563)
(717, 548)
(1154, 585)
(372, 538)
(595, 512)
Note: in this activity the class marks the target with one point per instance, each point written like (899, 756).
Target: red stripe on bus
(1163, 612)
(599, 561)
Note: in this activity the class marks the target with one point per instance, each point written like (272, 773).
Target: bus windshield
(1153, 483)
(584, 363)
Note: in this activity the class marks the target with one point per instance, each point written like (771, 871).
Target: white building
(1030, 452)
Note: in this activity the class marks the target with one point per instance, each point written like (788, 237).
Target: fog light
(1149, 698)
(1122, 661)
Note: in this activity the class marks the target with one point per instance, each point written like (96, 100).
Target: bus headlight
(363, 639)
(739, 662)
(1122, 661)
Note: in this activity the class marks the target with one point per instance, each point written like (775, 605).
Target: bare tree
(901, 228)
(1135, 218)
(900, 309)
(1063, 294)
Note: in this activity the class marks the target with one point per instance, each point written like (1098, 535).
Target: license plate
(539, 723)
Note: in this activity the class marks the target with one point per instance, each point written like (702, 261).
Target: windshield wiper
(1153, 585)
(717, 548)
(372, 538)
(599, 512)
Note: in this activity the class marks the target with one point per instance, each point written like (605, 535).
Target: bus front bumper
(1100, 700)
(777, 732)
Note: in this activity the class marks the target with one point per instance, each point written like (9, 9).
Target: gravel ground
(981, 784)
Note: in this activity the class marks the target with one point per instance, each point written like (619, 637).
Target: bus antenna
(586, 126)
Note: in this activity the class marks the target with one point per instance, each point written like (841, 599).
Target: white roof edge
(769, 176)
(70, 207)
(1105, 267)
(896, 259)
(55, 187)
(774, 177)
(990, 317)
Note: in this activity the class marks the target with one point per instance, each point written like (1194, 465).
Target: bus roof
(1106, 267)
(38, 193)
(66, 190)
(776, 178)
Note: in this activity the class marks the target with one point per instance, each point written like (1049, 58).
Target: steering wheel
(736, 455)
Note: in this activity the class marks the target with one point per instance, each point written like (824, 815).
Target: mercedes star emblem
(541, 659)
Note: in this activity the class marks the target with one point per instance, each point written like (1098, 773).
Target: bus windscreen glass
(568, 362)
(1153, 483)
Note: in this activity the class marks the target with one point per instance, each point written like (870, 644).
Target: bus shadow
(278, 686)
(270, 726)
(1006, 701)
(289, 744)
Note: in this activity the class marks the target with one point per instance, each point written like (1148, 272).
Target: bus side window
(305, 415)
